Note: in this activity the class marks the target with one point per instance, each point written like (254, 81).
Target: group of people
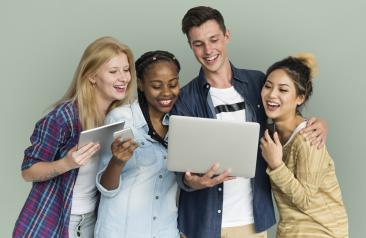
(128, 191)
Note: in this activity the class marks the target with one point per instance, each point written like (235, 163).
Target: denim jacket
(144, 204)
(200, 212)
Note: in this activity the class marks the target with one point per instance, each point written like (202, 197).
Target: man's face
(208, 43)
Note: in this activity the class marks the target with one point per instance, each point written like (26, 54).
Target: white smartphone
(124, 134)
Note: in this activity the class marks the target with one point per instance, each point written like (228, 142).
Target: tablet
(102, 135)
(195, 144)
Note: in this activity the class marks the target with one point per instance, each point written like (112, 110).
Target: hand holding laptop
(208, 179)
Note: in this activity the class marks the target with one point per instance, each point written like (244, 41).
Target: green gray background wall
(42, 41)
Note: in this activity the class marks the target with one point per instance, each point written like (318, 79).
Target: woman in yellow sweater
(303, 177)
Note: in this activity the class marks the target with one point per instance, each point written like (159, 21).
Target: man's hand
(315, 132)
(208, 179)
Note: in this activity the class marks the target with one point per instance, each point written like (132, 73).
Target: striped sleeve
(302, 185)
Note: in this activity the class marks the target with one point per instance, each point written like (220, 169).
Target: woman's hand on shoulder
(271, 150)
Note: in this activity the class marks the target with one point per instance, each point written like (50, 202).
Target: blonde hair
(81, 90)
(309, 60)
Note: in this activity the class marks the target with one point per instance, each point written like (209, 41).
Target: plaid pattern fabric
(46, 212)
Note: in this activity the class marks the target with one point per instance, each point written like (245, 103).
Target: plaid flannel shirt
(46, 212)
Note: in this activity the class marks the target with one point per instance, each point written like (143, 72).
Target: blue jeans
(82, 225)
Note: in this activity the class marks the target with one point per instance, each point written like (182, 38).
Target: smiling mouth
(272, 106)
(211, 59)
(120, 87)
(166, 102)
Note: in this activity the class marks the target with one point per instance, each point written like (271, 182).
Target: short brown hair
(196, 16)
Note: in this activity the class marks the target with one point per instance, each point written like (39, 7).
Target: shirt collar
(235, 74)
(165, 120)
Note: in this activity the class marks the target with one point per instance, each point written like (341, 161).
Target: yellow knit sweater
(307, 193)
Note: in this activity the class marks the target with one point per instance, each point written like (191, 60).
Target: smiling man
(222, 91)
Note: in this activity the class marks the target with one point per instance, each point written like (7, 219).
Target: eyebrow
(201, 41)
(284, 84)
(160, 81)
(216, 35)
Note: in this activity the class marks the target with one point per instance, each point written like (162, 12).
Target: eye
(126, 70)
(283, 90)
(156, 86)
(197, 44)
(267, 86)
(113, 71)
(173, 85)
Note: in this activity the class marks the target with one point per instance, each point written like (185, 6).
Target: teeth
(211, 58)
(273, 104)
(165, 102)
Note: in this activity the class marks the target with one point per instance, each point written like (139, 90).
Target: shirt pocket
(146, 155)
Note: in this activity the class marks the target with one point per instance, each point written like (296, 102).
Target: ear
(92, 79)
(300, 100)
(227, 35)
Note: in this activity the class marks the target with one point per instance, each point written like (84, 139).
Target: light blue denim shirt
(144, 204)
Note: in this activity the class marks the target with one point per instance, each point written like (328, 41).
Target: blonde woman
(63, 197)
(303, 177)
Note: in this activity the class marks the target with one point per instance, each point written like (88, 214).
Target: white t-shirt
(84, 198)
(238, 197)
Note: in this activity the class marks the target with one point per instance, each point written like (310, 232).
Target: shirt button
(164, 157)
(156, 197)
(154, 218)
(142, 143)
(207, 86)
(219, 211)
(160, 176)
(220, 189)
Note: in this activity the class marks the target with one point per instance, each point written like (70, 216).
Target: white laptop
(195, 144)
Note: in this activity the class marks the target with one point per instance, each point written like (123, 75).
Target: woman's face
(160, 86)
(279, 96)
(111, 79)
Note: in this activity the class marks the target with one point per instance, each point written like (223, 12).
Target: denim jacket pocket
(145, 153)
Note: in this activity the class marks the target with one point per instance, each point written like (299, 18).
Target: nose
(208, 48)
(272, 93)
(166, 91)
(123, 76)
